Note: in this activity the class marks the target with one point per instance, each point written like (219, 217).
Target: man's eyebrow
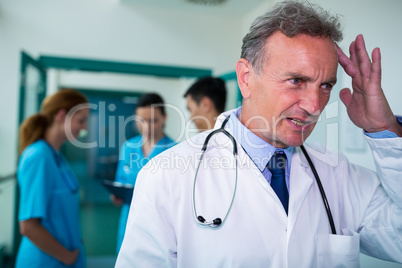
(299, 76)
(331, 80)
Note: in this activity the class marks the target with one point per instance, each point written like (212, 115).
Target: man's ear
(243, 71)
(60, 116)
(206, 104)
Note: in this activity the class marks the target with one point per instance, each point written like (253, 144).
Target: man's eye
(327, 86)
(296, 81)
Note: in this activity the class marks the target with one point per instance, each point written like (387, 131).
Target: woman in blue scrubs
(49, 215)
(136, 152)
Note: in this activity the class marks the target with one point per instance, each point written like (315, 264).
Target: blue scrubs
(49, 192)
(131, 161)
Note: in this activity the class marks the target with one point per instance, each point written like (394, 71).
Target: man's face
(291, 90)
(197, 114)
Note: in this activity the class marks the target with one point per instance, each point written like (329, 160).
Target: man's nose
(310, 100)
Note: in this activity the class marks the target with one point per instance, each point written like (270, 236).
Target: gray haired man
(256, 213)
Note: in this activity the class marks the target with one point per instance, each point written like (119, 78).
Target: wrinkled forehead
(280, 42)
(317, 50)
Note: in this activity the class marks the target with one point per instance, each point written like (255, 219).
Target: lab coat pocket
(338, 250)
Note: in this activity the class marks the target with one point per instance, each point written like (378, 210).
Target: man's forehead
(301, 47)
(296, 41)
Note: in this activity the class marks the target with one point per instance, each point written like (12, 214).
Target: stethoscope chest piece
(217, 222)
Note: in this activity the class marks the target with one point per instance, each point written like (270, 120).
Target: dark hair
(291, 18)
(151, 99)
(34, 127)
(213, 88)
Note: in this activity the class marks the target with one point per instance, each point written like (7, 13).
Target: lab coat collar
(319, 154)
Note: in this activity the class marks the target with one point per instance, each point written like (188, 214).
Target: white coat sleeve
(381, 231)
(149, 239)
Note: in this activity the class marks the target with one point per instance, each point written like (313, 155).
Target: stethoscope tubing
(204, 148)
(324, 197)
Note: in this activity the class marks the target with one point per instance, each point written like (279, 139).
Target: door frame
(45, 62)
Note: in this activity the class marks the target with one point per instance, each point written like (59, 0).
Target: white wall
(103, 30)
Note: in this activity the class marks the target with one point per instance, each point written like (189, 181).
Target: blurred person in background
(206, 100)
(49, 213)
(136, 152)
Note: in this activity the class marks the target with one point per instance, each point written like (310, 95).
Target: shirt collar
(257, 149)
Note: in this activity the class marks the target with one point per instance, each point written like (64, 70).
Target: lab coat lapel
(251, 169)
(300, 182)
(248, 169)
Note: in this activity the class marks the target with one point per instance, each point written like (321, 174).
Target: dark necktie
(277, 166)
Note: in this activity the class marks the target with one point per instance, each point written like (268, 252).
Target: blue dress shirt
(259, 151)
(385, 134)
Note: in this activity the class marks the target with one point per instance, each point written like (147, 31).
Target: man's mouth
(298, 122)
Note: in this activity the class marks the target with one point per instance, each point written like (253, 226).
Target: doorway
(109, 125)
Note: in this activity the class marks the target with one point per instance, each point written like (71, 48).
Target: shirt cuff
(386, 134)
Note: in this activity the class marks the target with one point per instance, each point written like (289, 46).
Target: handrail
(8, 177)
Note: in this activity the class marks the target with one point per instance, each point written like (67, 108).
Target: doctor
(286, 73)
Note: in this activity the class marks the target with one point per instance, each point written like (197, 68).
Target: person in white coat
(221, 209)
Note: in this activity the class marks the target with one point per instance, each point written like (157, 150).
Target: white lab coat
(162, 232)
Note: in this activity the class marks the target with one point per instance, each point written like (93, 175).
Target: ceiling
(229, 7)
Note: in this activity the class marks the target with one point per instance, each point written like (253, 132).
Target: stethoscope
(218, 221)
(65, 173)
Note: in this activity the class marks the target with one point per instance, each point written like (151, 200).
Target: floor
(101, 262)
(99, 228)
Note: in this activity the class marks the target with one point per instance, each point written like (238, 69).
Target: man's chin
(293, 142)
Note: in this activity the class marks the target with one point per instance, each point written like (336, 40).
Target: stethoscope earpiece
(215, 223)
(201, 219)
